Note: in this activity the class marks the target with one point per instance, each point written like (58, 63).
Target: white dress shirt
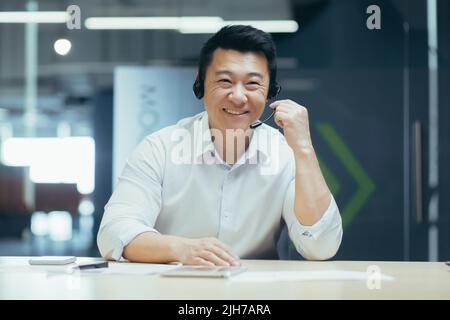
(175, 183)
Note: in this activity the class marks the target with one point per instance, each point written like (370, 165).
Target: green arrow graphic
(365, 185)
(332, 181)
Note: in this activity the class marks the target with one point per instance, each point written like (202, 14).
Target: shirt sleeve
(320, 241)
(136, 200)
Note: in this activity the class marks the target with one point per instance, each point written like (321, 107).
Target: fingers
(227, 249)
(197, 261)
(286, 106)
(211, 252)
(276, 104)
(289, 113)
(225, 256)
(282, 109)
(281, 118)
(278, 121)
(214, 257)
(218, 253)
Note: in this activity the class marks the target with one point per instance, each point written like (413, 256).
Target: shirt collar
(259, 144)
(203, 143)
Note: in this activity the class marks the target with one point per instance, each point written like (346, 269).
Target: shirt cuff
(316, 230)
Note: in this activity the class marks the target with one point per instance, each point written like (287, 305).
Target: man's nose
(237, 95)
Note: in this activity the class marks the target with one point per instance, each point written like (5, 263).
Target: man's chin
(238, 126)
(242, 124)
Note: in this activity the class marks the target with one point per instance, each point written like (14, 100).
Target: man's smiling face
(236, 87)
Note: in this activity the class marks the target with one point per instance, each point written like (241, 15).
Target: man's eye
(225, 81)
(254, 83)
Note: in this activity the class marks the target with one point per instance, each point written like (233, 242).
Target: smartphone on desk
(204, 272)
(52, 260)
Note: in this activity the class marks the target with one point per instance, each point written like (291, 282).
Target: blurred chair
(57, 196)
(14, 216)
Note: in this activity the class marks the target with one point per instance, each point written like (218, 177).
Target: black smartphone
(92, 265)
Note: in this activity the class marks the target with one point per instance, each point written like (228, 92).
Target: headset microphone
(259, 123)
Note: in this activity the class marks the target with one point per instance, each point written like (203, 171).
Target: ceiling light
(62, 46)
(33, 17)
(191, 25)
(150, 23)
(270, 26)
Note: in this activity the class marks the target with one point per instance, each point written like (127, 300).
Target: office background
(378, 100)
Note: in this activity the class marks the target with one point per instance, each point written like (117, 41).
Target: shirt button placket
(225, 214)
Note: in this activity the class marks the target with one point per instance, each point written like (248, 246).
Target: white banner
(147, 99)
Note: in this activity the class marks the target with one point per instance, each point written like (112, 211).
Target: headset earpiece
(198, 89)
(274, 91)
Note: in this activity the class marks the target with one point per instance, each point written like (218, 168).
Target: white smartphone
(202, 271)
(52, 260)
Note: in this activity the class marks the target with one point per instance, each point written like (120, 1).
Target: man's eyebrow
(229, 73)
(256, 74)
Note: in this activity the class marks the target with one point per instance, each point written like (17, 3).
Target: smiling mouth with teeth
(235, 113)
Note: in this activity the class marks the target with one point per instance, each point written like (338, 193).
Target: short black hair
(241, 38)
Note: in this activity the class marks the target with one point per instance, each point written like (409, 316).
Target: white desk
(413, 280)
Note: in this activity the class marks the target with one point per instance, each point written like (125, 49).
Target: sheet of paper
(36, 269)
(267, 276)
(114, 268)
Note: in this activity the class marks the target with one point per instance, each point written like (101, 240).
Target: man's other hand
(206, 252)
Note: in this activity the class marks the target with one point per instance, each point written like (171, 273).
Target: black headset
(199, 90)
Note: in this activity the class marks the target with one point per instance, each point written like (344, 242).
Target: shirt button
(307, 234)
